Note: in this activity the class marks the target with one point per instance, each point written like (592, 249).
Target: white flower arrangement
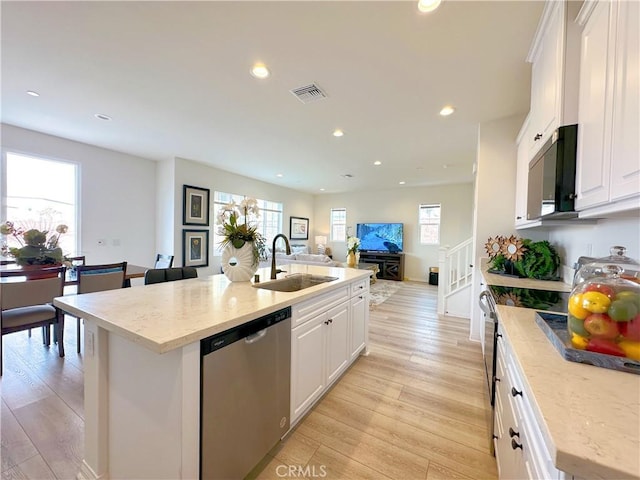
(353, 244)
(236, 233)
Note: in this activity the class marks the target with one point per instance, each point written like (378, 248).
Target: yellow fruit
(631, 349)
(575, 307)
(578, 341)
(595, 302)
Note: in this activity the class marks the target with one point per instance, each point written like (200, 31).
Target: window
(429, 218)
(269, 223)
(42, 193)
(338, 224)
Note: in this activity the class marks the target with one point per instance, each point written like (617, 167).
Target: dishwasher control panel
(221, 340)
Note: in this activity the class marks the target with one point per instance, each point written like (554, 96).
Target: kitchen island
(142, 365)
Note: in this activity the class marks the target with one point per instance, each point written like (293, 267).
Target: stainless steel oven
(488, 307)
(493, 295)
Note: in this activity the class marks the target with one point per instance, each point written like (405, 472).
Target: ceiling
(174, 77)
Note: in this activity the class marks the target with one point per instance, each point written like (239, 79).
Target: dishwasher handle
(253, 338)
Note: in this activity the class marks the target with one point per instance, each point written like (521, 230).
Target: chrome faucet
(275, 271)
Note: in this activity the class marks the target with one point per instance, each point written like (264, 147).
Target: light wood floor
(415, 408)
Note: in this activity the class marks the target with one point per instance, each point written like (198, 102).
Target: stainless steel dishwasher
(244, 402)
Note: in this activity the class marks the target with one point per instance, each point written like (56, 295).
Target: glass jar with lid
(604, 314)
(595, 268)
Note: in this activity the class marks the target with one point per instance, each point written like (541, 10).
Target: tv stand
(391, 265)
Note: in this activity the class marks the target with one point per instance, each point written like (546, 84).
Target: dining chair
(98, 278)
(27, 303)
(160, 275)
(163, 261)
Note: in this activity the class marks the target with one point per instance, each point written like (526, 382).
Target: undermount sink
(295, 282)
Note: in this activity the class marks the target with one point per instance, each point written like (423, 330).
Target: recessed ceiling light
(322, 189)
(377, 162)
(447, 110)
(102, 116)
(260, 70)
(279, 175)
(402, 182)
(426, 6)
(338, 133)
(445, 166)
(32, 93)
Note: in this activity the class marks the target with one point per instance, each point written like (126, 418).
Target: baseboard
(87, 473)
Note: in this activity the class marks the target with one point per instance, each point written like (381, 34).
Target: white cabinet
(553, 81)
(359, 317)
(520, 449)
(608, 165)
(307, 364)
(328, 333)
(337, 341)
(524, 141)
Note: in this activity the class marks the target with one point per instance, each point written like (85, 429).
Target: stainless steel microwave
(552, 177)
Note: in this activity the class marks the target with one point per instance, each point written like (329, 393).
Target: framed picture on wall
(195, 206)
(298, 228)
(195, 248)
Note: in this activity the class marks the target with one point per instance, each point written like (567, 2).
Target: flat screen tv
(380, 237)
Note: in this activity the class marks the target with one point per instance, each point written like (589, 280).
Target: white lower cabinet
(337, 338)
(359, 321)
(520, 449)
(325, 340)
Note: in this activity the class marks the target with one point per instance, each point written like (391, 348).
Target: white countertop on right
(589, 416)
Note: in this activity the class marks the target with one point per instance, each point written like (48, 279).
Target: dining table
(133, 271)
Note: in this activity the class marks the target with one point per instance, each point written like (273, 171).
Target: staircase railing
(455, 271)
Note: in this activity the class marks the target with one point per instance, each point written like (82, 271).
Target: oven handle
(486, 305)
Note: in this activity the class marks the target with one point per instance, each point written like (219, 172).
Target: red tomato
(600, 325)
(631, 329)
(599, 287)
(600, 345)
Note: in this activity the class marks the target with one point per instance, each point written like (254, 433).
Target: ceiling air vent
(309, 93)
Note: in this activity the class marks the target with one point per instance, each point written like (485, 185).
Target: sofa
(305, 258)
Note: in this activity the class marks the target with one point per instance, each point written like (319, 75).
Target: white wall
(401, 205)
(494, 195)
(596, 240)
(188, 172)
(115, 206)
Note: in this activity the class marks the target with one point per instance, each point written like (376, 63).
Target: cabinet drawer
(305, 311)
(360, 287)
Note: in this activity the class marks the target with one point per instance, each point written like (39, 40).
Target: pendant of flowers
(238, 224)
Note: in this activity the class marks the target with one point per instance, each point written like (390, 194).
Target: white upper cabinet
(553, 55)
(524, 141)
(625, 147)
(608, 165)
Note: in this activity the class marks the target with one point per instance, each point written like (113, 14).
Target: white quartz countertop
(589, 416)
(166, 316)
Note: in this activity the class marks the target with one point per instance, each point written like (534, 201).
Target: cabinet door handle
(513, 433)
(360, 287)
(515, 445)
(515, 392)
(519, 217)
(326, 322)
(496, 379)
(329, 321)
(360, 297)
(498, 335)
(537, 137)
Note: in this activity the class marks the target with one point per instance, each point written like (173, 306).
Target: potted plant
(243, 245)
(37, 247)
